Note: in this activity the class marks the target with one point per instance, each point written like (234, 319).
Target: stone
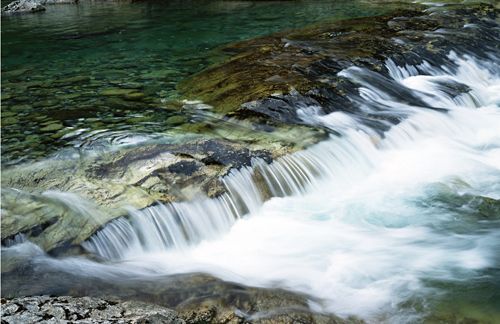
(85, 310)
(159, 74)
(9, 309)
(9, 121)
(13, 73)
(134, 96)
(188, 298)
(21, 108)
(307, 61)
(176, 120)
(22, 6)
(117, 92)
(137, 177)
(75, 79)
(69, 96)
(52, 127)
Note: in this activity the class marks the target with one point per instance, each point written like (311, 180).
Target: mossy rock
(307, 61)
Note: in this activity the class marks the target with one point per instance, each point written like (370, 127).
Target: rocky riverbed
(259, 119)
(247, 106)
(177, 299)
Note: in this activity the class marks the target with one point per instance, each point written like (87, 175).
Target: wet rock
(134, 96)
(176, 120)
(75, 79)
(52, 222)
(6, 97)
(282, 108)
(187, 168)
(117, 92)
(84, 310)
(9, 121)
(23, 6)
(14, 73)
(291, 70)
(190, 298)
(135, 177)
(52, 127)
(21, 108)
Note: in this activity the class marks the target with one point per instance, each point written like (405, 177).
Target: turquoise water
(109, 68)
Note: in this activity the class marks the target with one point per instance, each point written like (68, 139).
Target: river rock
(135, 177)
(83, 310)
(52, 127)
(22, 6)
(134, 96)
(55, 222)
(9, 121)
(291, 70)
(117, 92)
(193, 298)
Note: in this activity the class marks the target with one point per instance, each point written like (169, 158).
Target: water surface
(78, 73)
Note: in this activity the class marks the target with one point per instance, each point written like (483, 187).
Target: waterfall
(439, 96)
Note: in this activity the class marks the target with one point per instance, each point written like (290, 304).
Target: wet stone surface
(176, 299)
(83, 310)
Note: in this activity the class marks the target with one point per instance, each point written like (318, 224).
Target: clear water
(59, 66)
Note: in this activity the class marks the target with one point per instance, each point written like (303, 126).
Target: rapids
(380, 221)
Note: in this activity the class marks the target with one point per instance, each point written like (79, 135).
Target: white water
(356, 221)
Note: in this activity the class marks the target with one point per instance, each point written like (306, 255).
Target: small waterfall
(412, 101)
(180, 224)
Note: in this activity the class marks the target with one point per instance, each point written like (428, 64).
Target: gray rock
(30, 6)
(9, 309)
(23, 6)
(84, 310)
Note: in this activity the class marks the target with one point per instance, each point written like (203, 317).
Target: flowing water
(378, 224)
(391, 219)
(371, 222)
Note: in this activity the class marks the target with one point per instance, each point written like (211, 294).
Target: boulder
(30, 6)
(293, 69)
(23, 6)
(58, 203)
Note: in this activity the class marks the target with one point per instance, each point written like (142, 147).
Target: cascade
(342, 160)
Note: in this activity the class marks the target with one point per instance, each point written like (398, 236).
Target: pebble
(52, 127)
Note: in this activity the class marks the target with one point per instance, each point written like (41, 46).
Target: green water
(94, 73)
